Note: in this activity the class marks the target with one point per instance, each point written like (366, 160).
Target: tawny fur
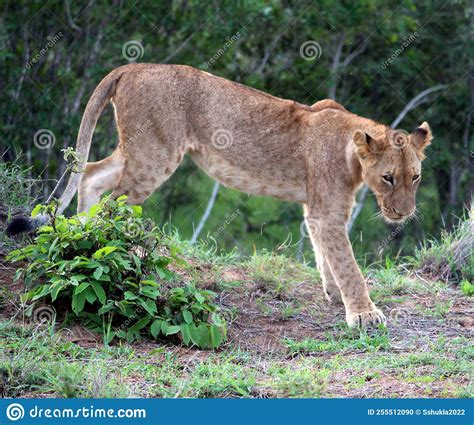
(316, 155)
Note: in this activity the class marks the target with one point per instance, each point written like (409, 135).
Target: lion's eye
(415, 177)
(388, 178)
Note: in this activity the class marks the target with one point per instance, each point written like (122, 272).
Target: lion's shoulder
(327, 104)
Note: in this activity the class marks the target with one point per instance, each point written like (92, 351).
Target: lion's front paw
(365, 318)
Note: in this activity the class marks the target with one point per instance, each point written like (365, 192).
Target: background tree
(374, 57)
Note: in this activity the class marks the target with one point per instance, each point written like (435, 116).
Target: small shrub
(452, 258)
(104, 266)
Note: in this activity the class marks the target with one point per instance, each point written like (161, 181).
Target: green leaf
(106, 308)
(105, 278)
(53, 246)
(187, 316)
(102, 252)
(109, 336)
(99, 291)
(36, 210)
(140, 324)
(61, 225)
(78, 303)
(149, 306)
(171, 330)
(150, 282)
(164, 326)
(55, 292)
(40, 292)
(81, 287)
(199, 297)
(186, 334)
(200, 335)
(150, 292)
(156, 328)
(137, 211)
(216, 336)
(98, 272)
(90, 295)
(129, 295)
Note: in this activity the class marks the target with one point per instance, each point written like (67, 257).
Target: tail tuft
(25, 224)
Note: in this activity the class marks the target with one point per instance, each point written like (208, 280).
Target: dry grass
(451, 259)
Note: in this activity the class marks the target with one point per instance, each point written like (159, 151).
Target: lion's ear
(366, 146)
(421, 138)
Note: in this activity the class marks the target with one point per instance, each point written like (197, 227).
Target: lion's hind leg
(139, 180)
(98, 178)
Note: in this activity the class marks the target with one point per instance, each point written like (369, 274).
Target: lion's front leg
(329, 237)
(331, 290)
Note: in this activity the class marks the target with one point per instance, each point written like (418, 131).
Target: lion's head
(391, 167)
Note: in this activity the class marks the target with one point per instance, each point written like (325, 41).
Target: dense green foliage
(375, 57)
(105, 266)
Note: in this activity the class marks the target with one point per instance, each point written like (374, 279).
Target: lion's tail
(99, 99)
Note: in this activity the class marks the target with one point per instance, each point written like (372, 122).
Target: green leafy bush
(106, 268)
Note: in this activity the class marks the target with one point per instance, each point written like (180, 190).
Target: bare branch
(358, 208)
(268, 51)
(335, 65)
(206, 214)
(416, 101)
(356, 52)
(178, 49)
(69, 17)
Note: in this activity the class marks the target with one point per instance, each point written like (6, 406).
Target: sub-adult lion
(317, 156)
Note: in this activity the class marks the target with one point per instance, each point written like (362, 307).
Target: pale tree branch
(415, 102)
(337, 64)
(412, 104)
(206, 214)
(268, 51)
(356, 52)
(71, 22)
(336, 59)
(179, 48)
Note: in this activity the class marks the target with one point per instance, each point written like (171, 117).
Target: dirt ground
(272, 323)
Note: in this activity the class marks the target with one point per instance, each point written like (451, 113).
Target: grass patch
(451, 259)
(340, 343)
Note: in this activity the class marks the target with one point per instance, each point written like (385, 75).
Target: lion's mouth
(395, 220)
(394, 217)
